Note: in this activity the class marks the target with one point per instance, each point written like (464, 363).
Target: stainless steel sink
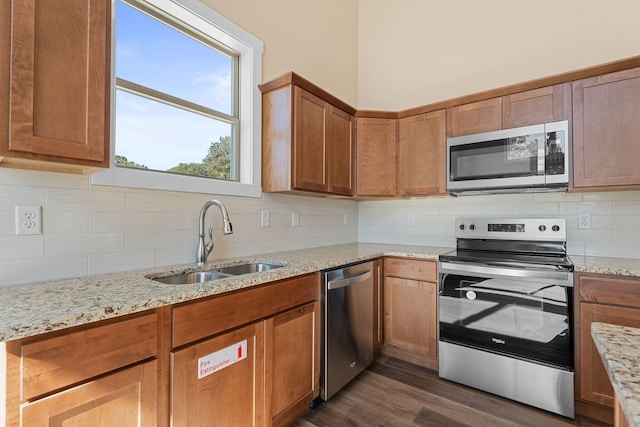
(190, 278)
(214, 274)
(252, 267)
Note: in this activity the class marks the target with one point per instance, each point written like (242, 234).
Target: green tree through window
(216, 164)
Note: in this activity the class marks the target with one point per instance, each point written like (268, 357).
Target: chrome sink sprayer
(204, 249)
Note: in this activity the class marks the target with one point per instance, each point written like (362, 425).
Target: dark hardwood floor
(392, 392)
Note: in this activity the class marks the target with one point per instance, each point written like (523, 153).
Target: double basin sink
(217, 273)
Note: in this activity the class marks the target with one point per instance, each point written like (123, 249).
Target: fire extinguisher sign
(213, 362)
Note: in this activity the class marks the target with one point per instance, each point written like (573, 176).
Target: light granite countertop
(603, 265)
(619, 347)
(31, 309)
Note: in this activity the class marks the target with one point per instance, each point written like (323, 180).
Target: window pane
(152, 54)
(157, 136)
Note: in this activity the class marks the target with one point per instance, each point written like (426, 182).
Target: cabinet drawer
(52, 363)
(609, 290)
(194, 321)
(423, 270)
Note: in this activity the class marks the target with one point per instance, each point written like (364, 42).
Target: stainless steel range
(505, 311)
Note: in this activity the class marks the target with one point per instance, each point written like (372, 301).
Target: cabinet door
(477, 117)
(410, 319)
(309, 142)
(292, 363)
(594, 381)
(544, 105)
(340, 155)
(220, 381)
(606, 130)
(126, 398)
(60, 80)
(421, 154)
(376, 157)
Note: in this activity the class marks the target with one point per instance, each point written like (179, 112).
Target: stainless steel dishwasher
(347, 325)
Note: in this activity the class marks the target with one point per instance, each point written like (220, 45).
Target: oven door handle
(451, 268)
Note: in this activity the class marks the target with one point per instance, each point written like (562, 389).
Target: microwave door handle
(542, 151)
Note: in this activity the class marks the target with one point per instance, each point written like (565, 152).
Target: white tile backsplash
(92, 229)
(615, 219)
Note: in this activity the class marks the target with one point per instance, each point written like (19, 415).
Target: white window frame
(250, 48)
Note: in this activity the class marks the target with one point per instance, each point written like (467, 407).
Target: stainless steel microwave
(526, 159)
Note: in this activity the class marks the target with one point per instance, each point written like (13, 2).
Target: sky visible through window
(151, 54)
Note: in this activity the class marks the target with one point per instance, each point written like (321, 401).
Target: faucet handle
(210, 244)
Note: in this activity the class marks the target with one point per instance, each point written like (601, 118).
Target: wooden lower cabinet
(126, 398)
(262, 374)
(292, 342)
(220, 381)
(607, 299)
(410, 307)
(100, 375)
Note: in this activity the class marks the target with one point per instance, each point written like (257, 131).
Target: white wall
(316, 39)
(415, 52)
(91, 229)
(615, 219)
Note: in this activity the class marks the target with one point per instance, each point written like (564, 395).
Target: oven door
(520, 313)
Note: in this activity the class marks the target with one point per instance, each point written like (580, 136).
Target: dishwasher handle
(348, 281)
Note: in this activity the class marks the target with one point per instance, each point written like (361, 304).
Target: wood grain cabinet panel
(376, 156)
(60, 76)
(606, 130)
(232, 395)
(607, 299)
(532, 107)
(292, 363)
(310, 164)
(53, 363)
(307, 142)
(421, 154)
(476, 117)
(126, 398)
(410, 307)
(340, 128)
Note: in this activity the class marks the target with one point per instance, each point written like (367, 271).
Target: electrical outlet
(295, 219)
(28, 219)
(584, 221)
(411, 219)
(265, 220)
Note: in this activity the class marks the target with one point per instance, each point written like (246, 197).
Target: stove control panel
(538, 229)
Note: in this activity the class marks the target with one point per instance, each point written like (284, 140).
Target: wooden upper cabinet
(376, 156)
(340, 151)
(544, 105)
(477, 117)
(421, 154)
(309, 142)
(60, 75)
(307, 139)
(606, 130)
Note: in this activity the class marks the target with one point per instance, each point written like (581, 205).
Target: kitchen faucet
(204, 250)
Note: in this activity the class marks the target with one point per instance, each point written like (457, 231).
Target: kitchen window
(185, 103)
